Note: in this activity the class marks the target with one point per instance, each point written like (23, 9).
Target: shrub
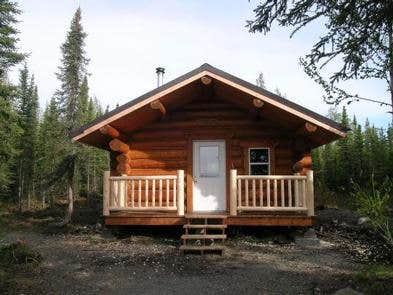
(18, 253)
(374, 203)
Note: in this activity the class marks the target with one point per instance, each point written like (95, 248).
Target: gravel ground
(98, 263)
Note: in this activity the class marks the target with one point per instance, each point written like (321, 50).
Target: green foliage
(364, 153)
(357, 40)
(9, 119)
(8, 37)
(374, 202)
(376, 278)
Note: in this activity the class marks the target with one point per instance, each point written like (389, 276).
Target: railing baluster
(260, 193)
(303, 193)
(296, 193)
(239, 193)
(289, 193)
(139, 193)
(275, 192)
(174, 193)
(132, 193)
(246, 184)
(146, 193)
(153, 192)
(167, 192)
(160, 192)
(126, 193)
(253, 194)
(268, 192)
(282, 193)
(119, 192)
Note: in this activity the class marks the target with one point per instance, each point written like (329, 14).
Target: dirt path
(96, 264)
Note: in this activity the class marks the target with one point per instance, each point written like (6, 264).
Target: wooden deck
(157, 219)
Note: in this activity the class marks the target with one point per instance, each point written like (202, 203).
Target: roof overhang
(334, 129)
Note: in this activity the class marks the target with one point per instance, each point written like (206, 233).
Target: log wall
(163, 147)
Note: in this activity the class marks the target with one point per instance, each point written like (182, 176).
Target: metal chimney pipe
(160, 76)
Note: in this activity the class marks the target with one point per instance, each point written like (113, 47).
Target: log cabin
(205, 145)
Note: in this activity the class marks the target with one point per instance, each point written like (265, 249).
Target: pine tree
(357, 152)
(72, 73)
(28, 113)
(50, 148)
(260, 81)
(9, 120)
(344, 168)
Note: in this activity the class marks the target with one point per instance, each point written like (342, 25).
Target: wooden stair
(204, 233)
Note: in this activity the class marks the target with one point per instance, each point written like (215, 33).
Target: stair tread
(211, 247)
(205, 216)
(216, 226)
(197, 237)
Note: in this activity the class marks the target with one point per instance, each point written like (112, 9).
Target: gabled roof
(275, 100)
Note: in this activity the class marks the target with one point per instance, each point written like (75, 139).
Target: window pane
(259, 169)
(259, 156)
(208, 161)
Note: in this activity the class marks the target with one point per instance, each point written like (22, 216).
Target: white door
(209, 189)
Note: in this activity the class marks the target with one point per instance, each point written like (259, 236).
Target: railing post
(122, 193)
(106, 193)
(180, 192)
(310, 193)
(233, 192)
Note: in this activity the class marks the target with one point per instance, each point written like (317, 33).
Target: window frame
(268, 163)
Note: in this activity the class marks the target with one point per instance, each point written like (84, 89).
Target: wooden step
(215, 226)
(202, 237)
(205, 216)
(202, 248)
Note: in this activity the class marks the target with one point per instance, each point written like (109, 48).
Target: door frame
(190, 166)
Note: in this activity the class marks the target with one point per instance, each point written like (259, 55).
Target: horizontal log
(206, 80)
(156, 144)
(158, 154)
(150, 163)
(110, 131)
(306, 128)
(162, 208)
(278, 208)
(123, 158)
(123, 169)
(157, 105)
(142, 177)
(304, 163)
(258, 103)
(118, 146)
(271, 177)
(152, 171)
(210, 122)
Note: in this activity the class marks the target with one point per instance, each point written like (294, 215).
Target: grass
(18, 253)
(16, 260)
(376, 279)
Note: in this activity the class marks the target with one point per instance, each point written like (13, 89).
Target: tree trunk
(70, 208)
(28, 200)
(391, 66)
(20, 189)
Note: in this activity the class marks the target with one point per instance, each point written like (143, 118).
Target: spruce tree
(9, 120)
(72, 72)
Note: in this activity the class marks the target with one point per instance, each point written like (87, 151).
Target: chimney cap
(160, 70)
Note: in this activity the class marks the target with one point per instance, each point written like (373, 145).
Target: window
(259, 161)
(209, 165)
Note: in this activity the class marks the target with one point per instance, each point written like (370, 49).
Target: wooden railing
(144, 193)
(271, 193)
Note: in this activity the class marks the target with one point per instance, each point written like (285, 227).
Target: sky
(127, 40)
